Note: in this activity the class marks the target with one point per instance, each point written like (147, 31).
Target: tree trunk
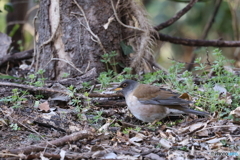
(74, 35)
(72, 38)
(14, 18)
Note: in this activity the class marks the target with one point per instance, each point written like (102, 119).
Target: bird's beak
(117, 89)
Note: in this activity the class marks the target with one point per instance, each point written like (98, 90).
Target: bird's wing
(148, 94)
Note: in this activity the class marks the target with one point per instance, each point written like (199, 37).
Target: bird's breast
(146, 113)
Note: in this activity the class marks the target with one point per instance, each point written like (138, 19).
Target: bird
(150, 103)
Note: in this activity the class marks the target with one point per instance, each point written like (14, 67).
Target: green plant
(152, 76)
(204, 94)
(14, 30)
(126, 74)
(8, 7)
(86, 85)
(41, 80)
(158, 145)
(14, 126)
(224, 143)
(20, 43)
(153, 126)
(184, 148)
(65, 75)
(109, 60)
(16, 98)
(105, 78)
(31, 78)
(39, 96)
(221, 77)
(37, 79)
(127, 130)
(75, 101)
(97, 117)
(34, 137)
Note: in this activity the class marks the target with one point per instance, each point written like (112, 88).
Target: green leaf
(126, 48)
(7, 77)
(8, 7)
(14, 30)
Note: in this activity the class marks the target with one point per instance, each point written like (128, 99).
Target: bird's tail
(188, 110)
(185, 109)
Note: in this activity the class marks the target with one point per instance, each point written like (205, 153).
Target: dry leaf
(44, 107)
(215, 140)
(154, 156)
(196, 126)
(203, 133)
(184, 142)
(62, 154)
(236, 112)
(185, 96)
(165, 143)
(110, 155)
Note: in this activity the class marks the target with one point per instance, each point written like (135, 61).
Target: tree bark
(68, 34)
(16, 17)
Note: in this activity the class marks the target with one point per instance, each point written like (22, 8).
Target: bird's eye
(124, 85)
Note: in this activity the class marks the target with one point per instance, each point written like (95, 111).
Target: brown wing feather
(145, 91)
(148, 94)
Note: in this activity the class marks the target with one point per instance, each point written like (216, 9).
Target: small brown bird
(150, 103)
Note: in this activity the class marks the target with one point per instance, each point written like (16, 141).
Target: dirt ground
(101, 127)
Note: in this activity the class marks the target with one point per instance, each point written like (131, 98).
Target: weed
(14, 126)
(34, 137)
(97, 117)
(77, 102)
(158, 145)
(224, 143)
(37, 79)
(16, 98)
(205, 94)
(65, 75)
(184, 148)
(86, 85)
(105, 78)
(109, 60)
(127, 130)
(184, 81)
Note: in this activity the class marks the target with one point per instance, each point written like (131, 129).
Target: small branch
(16, 56)
(176, 17)
(234, 5)
(66, 61)
(195, 42)
(58, 142)
(187, 63)
(211, 20)
(109, 103)
(43, 89)
(35, 53)
(206, 30)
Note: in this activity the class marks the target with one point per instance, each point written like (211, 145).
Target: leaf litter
(53, 131)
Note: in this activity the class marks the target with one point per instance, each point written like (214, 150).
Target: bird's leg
(154, 122)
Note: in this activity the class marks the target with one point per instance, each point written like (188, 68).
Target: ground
(101, 127)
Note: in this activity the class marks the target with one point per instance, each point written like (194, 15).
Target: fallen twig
(58, 142)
